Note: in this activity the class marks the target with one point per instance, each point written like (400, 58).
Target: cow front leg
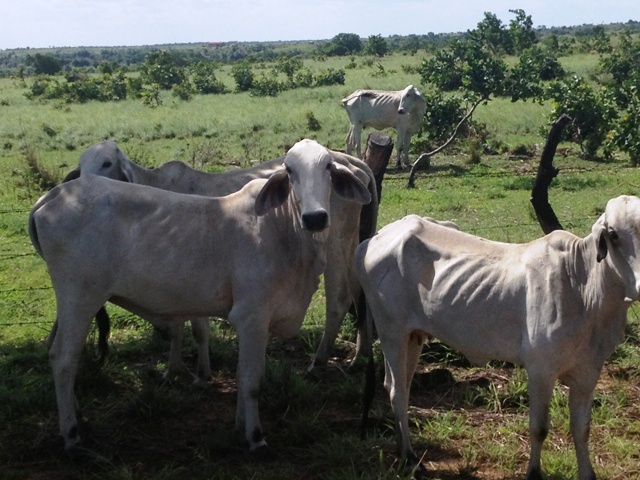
(253, 335)
(580, 403)
(540, 392)
(357, 134)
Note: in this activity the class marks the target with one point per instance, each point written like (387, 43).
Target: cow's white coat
(556, 306)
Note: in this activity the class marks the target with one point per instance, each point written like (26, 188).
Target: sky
(91, 23)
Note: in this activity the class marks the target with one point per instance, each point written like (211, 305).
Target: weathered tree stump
(377, 154)
(546, 173)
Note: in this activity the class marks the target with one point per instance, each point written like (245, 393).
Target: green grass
(143, 427)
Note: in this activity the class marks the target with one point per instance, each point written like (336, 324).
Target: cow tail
(33, 233)
(368, 394)
(104, 327)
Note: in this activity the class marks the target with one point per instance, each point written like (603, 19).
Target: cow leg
(400, 150)
(176, 333)
(540, 392)
(357, 133)
(580, 402)
(64, 356)
(349, 144)
(415, 343)
(253, 335)
(338, 301)
(395, 382)
(202, 331)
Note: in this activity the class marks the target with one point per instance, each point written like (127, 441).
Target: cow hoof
(534, 474)
(201, 382)
(263, 453)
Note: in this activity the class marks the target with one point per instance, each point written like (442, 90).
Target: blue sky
(59, 23)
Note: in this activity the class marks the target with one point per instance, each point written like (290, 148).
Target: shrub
(266, 86)
(312, 122)
(243, 77)
(330, 77)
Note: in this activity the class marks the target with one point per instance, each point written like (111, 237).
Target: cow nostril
(401, 111)
(315, 221)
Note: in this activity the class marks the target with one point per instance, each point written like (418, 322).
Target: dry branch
(414, 166)
(546, 173)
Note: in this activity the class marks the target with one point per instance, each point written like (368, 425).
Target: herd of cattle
(172, 244)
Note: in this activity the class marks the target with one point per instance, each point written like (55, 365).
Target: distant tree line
(460, 72)
(570, 39)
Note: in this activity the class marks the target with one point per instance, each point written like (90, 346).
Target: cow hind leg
(201, 332)
(72, 329)
(176, 334)
(396, 356)
(338, 301)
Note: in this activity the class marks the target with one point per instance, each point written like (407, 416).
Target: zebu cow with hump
(557, 306)
(403, 110)
(106, 159)
(253, 257)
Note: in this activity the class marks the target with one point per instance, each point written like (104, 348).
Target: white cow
(106, 159)
(557, 306)
(253, 257)
(403, 110)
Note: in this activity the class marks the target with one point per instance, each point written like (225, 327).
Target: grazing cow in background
(403, 110)
(557, 306)
(106, 159)
(253, 257)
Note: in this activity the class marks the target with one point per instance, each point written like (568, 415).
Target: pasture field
(470, 422)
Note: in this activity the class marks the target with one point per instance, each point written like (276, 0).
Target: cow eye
(106, 164)
(328, 166)
(613, 235)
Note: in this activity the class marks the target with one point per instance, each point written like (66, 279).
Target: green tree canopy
(343, 44)
(376, 45)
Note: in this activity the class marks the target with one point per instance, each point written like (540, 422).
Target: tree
(243, 76)
(523, 36)
(592, 114)
(376, 45)
(343, 44)
(203, 78)
(491, 33)
(161, 69)
(44, 64)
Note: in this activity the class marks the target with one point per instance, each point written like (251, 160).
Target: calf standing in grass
(253, 257)
(557, 306)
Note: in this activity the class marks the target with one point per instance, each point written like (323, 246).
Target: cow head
(311, 174)
(106, 160)
(412, 102)
(617, 237)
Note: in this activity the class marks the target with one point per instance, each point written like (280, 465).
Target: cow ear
(599, 231)
(72, 175)
(347, 185)
(125, 169)
(274, 193)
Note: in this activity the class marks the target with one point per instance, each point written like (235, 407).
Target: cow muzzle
(315, 221)
(401, 111)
